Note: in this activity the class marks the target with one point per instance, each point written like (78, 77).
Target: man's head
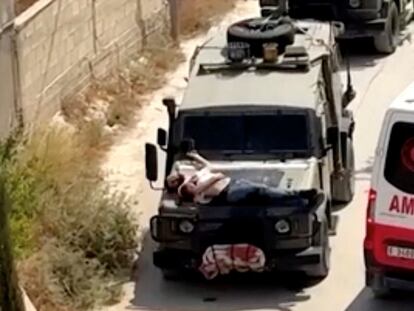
(174, 181)
(187, 191)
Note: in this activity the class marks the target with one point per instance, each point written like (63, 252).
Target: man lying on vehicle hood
(209, 187)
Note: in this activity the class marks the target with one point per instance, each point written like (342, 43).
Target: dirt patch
(22, 5)
(200, 15)
(49, 189)
(111, 103)
(108, 106)
(125, 169)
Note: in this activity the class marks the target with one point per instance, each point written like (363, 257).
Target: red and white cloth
(222, 259)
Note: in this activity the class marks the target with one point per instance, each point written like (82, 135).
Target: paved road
(378, 81)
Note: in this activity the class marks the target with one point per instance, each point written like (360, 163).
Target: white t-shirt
(203, 176)
(206, 177)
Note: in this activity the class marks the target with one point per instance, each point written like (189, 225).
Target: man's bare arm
(198, 158)
(203, 187)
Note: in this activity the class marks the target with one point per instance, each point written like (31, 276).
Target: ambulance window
(399, 164)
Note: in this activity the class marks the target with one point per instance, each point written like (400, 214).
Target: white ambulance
(389, 240)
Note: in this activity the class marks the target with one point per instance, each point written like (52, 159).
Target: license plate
(400, 252)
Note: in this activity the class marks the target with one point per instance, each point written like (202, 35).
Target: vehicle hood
(289, 175)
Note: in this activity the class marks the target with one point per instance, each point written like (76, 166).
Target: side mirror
(151, 162)
(162, 138)
(348, 97)
(171, 105)
(340, 28)
(326, 150)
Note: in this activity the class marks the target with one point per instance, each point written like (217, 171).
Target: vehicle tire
(350, 166)
(347, 188)
(386, 43)
(403, 21)
(331, 219)
(412, 16)
(251, 31)
(322, 270)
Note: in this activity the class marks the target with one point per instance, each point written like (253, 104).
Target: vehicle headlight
(355, 3)
(282, 226)
(186, 226)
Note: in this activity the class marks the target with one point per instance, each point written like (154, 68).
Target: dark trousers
(245, 191)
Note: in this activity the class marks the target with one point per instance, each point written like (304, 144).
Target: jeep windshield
(284, 135)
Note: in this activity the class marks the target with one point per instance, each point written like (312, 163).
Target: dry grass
(115, 99)
(58, 193)
(72, 238)
(199, 15)
(113, 102)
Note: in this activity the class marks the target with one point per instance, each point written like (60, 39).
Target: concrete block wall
(61, 44)
(8, 113)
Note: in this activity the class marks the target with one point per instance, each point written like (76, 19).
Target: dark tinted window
(399, 165)
(215, 133)
(283, 132)
(248, 133)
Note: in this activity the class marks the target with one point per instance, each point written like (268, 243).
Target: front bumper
(398, 284)
(297, 250)
(378, 276)
(300, 261)
(236, 226)
(363, 29)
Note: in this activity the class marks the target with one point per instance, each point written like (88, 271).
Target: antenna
(350, 91)
(284, 7)
(348, 73)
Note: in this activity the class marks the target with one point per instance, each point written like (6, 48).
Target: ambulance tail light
(370, 220)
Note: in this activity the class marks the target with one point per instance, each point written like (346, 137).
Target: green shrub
(77, 236)
(86, 217)
(75, 281)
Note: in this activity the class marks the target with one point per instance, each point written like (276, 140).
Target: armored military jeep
(269, 108)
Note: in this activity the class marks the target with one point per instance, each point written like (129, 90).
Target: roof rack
(296, 55)
(294, 58)
(211, 67)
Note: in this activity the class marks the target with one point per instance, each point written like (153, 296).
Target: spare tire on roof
(258, 31)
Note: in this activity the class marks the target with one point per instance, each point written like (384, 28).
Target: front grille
(234, 231)
(255, 230)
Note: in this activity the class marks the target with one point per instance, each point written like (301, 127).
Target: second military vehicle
(380, 19)
(269, 108)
